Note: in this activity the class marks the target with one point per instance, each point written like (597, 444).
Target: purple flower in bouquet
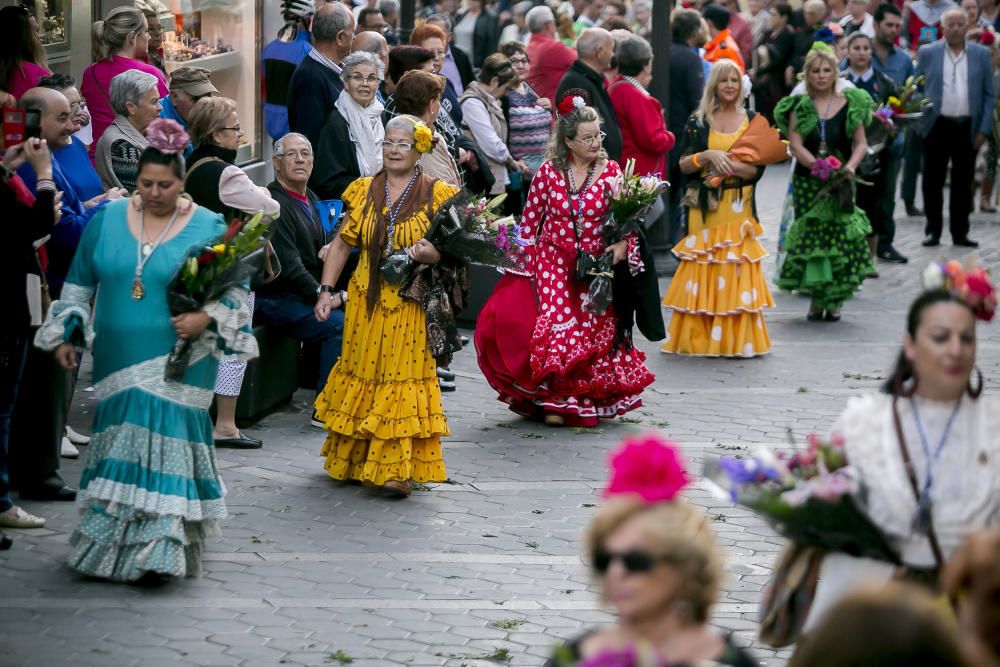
(625, 657)
(824, 167)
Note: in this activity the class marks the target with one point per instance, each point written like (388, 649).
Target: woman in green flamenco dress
(827, 251)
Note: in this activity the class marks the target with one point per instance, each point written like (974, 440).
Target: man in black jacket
(594, 50)
(299, 239)
(687, 81)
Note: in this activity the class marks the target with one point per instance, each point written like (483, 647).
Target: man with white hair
(549, 58)
(286, 303)
(594, 49)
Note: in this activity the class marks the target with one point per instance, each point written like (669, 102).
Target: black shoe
(53, 488)
(892, 256)
(5, 542)
(965, 242)
(240, 442)
(446, 374)
(316, 421)
(445, 385)
(912, 210)
(832, 316)
(816, 316)
(931, 241)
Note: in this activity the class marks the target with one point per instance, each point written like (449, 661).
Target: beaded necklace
(580, 193)
(394, 211)
(922, 521)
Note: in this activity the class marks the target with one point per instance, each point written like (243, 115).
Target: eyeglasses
(635, 561)
(371, 79)
(519, 61)
(403, 146)
(295, 155)
(591, 141)
(438, 53)
(236, 129)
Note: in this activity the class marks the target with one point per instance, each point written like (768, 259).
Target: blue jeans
(12, 353)
(290, 315)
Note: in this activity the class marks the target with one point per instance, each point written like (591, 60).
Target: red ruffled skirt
(538, 366)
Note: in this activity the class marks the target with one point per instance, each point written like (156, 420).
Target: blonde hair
(708, 102)
(112, 34)
(812, 58)
(208, 115)
(676, 530)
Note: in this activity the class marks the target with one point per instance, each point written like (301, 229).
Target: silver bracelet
(45, 184)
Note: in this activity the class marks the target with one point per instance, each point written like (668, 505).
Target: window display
(53, 19)
(221, 36)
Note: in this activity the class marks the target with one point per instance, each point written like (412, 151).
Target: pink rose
(649, 467)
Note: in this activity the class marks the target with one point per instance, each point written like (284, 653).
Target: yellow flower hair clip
(423, 137)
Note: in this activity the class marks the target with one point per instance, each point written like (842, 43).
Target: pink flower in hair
(167, 136)
(650, 467)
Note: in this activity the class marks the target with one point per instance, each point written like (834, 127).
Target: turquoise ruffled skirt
(150, 493)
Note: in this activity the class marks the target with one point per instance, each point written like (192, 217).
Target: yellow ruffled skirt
(719, 291)
(382, 403)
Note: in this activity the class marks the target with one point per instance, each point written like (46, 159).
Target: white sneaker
(68, 451)
(76, 438)
(16, 517)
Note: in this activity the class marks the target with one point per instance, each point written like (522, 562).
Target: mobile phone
(13, 127)
(32, 124)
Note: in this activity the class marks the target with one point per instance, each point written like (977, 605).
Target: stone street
(483, 570)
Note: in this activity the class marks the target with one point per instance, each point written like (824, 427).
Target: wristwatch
(324, 288)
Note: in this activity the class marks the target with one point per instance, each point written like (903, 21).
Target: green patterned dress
(828, 256)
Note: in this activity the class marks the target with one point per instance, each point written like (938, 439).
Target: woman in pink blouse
(22, 57)
(118, 40)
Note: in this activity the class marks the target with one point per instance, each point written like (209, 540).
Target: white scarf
(367, 133)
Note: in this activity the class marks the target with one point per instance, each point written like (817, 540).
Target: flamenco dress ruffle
(827, 252)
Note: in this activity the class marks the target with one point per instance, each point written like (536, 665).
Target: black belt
(957, 119)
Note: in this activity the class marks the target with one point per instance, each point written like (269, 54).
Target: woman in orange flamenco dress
(719, 292)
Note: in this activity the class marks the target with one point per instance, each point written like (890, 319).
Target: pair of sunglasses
(635, 561)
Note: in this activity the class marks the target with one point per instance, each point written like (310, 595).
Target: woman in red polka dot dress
(544, 353)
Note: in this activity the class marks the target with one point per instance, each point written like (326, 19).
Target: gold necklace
(144, 251)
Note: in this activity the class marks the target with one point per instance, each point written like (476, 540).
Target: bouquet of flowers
(642, 655)
(908, 106)
(209, 271)
(838, 181)
(466, 228)
(760, 144)
(631, 197)
(813, 497)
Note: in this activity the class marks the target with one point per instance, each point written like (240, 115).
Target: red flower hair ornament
(574, 99)
(649, 467)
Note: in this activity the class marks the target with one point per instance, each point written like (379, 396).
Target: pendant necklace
(393, 212)
(823, 152)
(580, 193)
(144, 251)
(922, 521)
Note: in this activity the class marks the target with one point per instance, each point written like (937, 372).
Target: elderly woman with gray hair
(135, 98)
(350, 144)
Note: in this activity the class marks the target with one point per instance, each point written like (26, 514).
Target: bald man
(372, 42)
(39, 418)
(594, 50)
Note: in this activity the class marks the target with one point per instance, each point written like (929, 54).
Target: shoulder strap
(912, 475)
(202, 161)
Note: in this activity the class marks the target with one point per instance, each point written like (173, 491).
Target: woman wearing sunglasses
(657, 563)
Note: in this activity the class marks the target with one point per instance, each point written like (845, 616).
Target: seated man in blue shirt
(73, 158)
(187, 86)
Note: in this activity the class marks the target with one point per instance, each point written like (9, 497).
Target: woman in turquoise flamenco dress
(827, 252)
(150, 492)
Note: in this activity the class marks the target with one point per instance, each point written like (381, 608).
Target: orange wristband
(694, 160)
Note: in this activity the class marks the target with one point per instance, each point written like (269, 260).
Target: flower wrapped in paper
(631, 197)
(211, 271)
(759, 145)
(813, 498)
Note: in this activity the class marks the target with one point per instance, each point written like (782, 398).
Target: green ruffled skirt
(827, 251)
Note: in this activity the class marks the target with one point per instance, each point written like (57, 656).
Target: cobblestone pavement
(484, 570)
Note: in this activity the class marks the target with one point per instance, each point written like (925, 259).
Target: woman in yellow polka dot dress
(382, 404)
(719, 291)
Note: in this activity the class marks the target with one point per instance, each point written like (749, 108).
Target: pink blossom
(649, 467)
(167, 136)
